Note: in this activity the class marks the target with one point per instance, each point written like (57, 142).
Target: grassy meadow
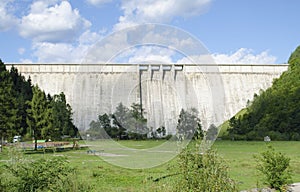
(106, 177)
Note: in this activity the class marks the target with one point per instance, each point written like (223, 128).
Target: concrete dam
(216, 91)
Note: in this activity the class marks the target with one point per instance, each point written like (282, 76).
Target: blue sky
(234, 31)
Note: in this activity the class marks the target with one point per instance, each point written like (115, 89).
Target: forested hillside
(274, 112)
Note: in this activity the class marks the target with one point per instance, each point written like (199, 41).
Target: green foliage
(62, 117)
(137, 128)
(54, 174)
(25, 110)
(8, 105)
(121, 121)
(130, 123)
(189, 124)
(294, 58)
(102, 129)
(275, 168)
(39, 115)
(275, 111)
(124, 123)
(203, 172)
(49, 118)
(23, 93)
(212, 133)
(159, 132)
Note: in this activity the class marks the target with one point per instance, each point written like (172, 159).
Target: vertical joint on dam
(153, 69)
(165, 68)
(177, 68)
(141, 69)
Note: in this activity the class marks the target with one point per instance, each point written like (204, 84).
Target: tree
(189, 124)
(138, 128)
(161, 131)
(121, 120)
(124, 123)
(105, 124)
(8, 105)
(130, 122)
(62, 117)
(39, 116)
(23, 93)
(212, 133)
(102, 128)
(275, 111)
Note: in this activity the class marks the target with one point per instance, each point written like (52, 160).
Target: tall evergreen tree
(39, 115)
(23, 93)
(62, 117)
(8, 105)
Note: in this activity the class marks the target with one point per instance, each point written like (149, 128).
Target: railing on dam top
(121, 68)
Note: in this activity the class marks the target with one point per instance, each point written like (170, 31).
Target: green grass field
(106, 177)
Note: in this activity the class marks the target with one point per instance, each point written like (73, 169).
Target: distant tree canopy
(274, 112)
(124, 123)
(26, 110)
(189, 124)
(130, 123)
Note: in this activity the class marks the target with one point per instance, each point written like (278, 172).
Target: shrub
(204, 173)
(275, 167)
(54, 174)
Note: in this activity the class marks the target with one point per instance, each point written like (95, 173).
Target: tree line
(275, 112)
(27, 111)
(131, 123)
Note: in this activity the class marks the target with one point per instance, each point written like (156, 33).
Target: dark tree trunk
(1, 144)
(35, 144)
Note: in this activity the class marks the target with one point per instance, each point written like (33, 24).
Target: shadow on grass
(52, 150)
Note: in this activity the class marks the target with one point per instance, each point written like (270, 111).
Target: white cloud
(26, 61)
(145, 54)
(157, 11)
(57, 52)
(21, 51)
(48, 52)
(7, 19)
(197, 59)
(177, 43)
(89, 37)
(244, 56)
(98, 2)
(52, 22)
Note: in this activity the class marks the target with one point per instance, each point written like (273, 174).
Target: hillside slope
(274, 112)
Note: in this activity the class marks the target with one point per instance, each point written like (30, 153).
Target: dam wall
(216, 91)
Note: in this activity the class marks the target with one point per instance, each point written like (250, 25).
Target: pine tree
(39, 115)
(62, 117)
(23, 93)
(8, 105)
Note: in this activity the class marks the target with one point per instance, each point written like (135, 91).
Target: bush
(54, 174)
(275, 168)
(203, 173)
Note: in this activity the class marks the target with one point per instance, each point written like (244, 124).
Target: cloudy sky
(234, 31)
